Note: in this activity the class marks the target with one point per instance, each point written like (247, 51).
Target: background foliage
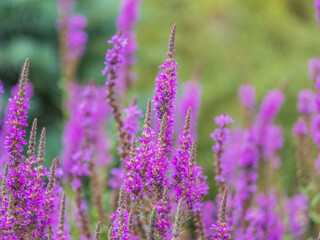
(261, 42)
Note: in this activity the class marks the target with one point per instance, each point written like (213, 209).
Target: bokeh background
(262, 42)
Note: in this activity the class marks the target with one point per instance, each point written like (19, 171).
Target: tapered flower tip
(172, 42)
(24, 72)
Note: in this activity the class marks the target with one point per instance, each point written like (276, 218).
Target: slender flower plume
(265, 220)
(220, 136)
(165, 91)
(186, 173)
(222, 229)
(113, 60)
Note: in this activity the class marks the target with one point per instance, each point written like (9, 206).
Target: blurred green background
(263, 42)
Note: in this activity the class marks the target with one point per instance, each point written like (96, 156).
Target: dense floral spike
(157, 168)
(126, 23)
(220, 136)
(239, 167)
(185, 171)
(298, 215)
(121, 220)
(18, 120)
(139, 160)
(113, 59)
(165, 91)
(85, 136)
(264, 221)
(26, 192)
(222, 229)
(162, 224)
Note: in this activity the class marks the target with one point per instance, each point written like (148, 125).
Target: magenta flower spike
(222, 229)
(126, 23)
(85, 137)
(186, 173)
(120, 226)
(17, 120)
(26, 206)
(265, 221)
(165, 91)
(298, 215)
(139, 161)
(220, 136)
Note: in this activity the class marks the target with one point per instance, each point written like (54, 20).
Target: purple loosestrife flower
(27, 201)
(300, 127)
(113, 60)
(220, 136)
(264, 220)
(305, 100)
(139, 161)
(247, 96)
(244, 179)
(85, 137)
(298, 215)
(114, 57)
(222, 229)
(157, 168)
(121, 229)
(162, 223)
(17, 120)
(270, 107)
(186, 173)
(165, 92)
(191, 97)
(126, 23)
(268, 137)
